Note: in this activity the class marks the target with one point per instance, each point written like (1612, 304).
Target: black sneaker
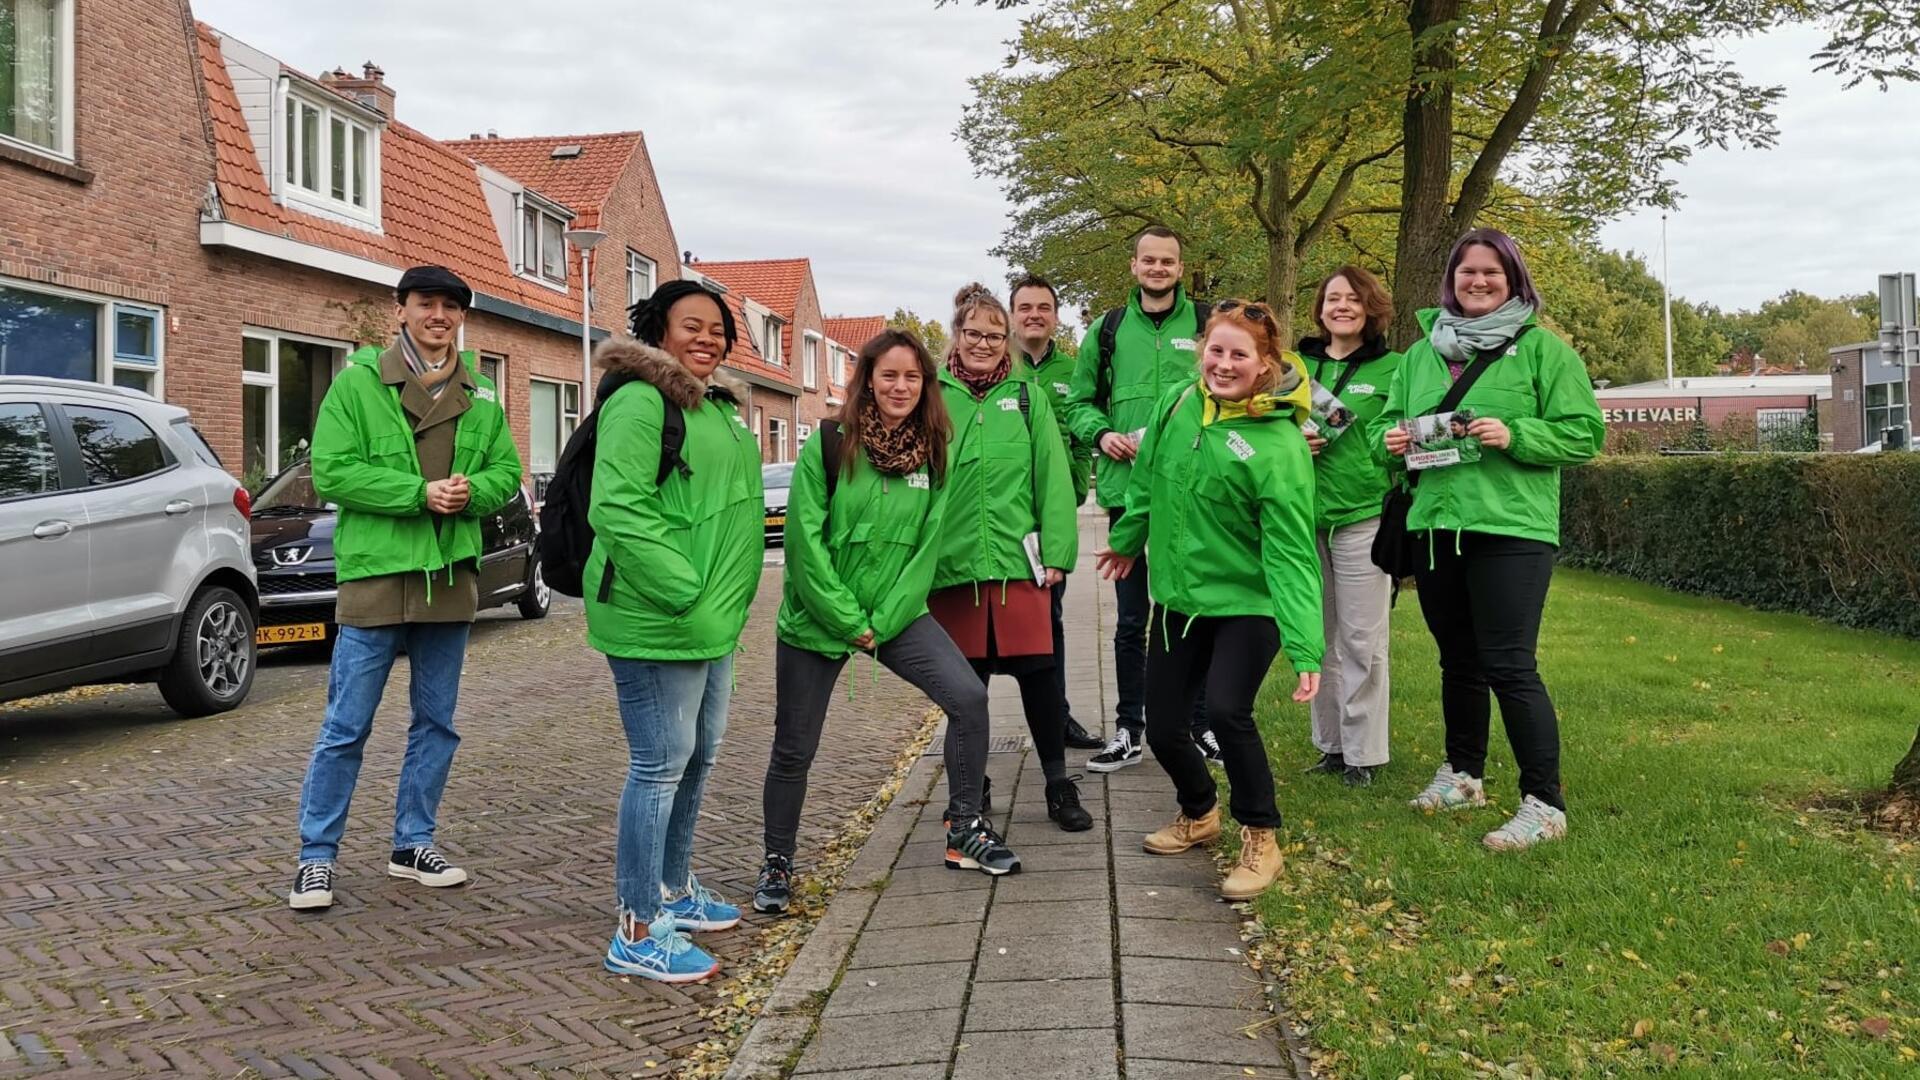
(312, 887)
(1079, 738)
(1359, 775)
(424, 865)
(1331, 764)
(1209, 746)
(1121, 752)
(975, 846)
(774, 891)
(1063, 806)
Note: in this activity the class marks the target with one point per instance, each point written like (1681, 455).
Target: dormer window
(770, 341)
(543, 243)
(330, 157)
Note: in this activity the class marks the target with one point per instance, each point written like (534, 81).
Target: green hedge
(1835, 536)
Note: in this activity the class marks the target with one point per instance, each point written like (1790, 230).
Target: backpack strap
(830, 441)
(673, 441)
(1109, 340)
(1026, 406)
(1202, 311)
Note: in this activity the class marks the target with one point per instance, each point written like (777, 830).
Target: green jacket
(687, 553)
(1008, 477)
(1226, 510)
(1054, 373)
(364, 460)
(1349, 481)
(1541, 390)
(866, 562)
(1148, 361)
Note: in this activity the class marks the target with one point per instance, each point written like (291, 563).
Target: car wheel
(214, 659)
(536, 599)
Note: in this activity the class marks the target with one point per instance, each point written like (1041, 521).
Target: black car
(293, 553)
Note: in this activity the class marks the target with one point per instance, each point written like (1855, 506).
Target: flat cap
(434, 279)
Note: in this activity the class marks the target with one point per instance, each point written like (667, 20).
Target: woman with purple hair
(1492, 525)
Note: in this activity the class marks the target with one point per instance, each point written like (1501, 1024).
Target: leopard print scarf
(896, 452)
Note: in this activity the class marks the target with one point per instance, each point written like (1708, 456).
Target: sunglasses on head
(1254, 310)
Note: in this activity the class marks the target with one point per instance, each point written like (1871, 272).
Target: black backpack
(566, 537)
(1110, 337)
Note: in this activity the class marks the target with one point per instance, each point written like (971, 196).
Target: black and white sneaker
(1360, 775)
(975, 846)
(312, 887)
(1079, 738)
(1063, 806)
(424, 865)
(1209, 746)
(1331, 764)
(1122, 751)
(774, 891)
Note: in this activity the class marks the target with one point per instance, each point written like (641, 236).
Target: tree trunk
(1283, 264)
(1426, 224)
(1906, 775)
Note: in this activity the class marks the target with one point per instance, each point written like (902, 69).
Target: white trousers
(1350, 713)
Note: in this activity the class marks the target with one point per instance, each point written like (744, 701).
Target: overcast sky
(783, 129)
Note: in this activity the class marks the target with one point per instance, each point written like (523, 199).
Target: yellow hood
(1292, 390)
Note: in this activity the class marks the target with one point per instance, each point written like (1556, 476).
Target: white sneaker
(1450, 791)
(1536, 821)
(1119, 754)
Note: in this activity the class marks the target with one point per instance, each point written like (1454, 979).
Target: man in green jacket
(412, 447)
(1036, 318)
(1109, 408)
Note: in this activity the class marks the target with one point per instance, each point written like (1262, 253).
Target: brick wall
(634, 217)
(1848, 401)
(807, 319)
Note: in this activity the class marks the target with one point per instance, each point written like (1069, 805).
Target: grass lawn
(1696, 921)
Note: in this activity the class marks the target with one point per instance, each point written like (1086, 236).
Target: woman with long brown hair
(863, 521)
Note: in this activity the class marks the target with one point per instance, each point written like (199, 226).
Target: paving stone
(1046, 834)
(921, 854)
(1227, 983)
(1149, 1069)
(1059, 857)
(1047, 1005)
(915, 945)
(1180, 940)
(1048, 957)
(1079, 920)
(934, 879)
(1054, 885)
(1086, 1054)
(1194, 869)
(846, 1043)
(1189, 1033)
(896, 912)
(895, 1072)
(919, 988)
(1173, 902)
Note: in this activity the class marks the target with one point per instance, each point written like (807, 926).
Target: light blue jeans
(675, 713)
(362, 660)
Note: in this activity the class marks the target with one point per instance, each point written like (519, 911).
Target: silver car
(123, 548)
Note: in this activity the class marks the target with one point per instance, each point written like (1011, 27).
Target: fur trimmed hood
(669, 376)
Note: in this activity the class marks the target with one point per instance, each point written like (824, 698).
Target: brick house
(848, 335)
(785, 287)
(772, 407)
(225, 245)
(1869, 397)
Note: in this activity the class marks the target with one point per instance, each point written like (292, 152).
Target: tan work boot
(1260, 865)
(1185, 832)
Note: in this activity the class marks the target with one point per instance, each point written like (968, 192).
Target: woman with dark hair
(1010, 487)
(1350, 358)
(673, 570)
(862, 537)
(1222, 491)
(1485, 586)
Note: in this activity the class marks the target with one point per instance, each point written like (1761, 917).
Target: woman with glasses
(1010, 536)
(1492, 522)
(1222, 492)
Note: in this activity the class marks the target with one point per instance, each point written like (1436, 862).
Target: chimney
(492, 134)
(369, 88)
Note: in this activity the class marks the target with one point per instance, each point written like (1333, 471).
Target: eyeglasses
(981, 337)
(1254, 310)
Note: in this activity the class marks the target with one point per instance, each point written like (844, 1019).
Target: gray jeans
(1350, 712)
(927, 659)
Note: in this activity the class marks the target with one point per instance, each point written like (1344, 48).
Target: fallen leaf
(1666, 1053)
(1876, 1026)
(1779, 948)
(1642, 1028)
(1631, 955)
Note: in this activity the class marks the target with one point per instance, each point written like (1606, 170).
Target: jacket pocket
(391, 450)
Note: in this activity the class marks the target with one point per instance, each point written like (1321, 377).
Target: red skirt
(1016, 615)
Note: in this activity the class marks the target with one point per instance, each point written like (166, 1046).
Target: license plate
(780, 520)
(287, 635)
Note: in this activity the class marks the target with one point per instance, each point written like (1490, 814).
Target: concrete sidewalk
(1096, 961)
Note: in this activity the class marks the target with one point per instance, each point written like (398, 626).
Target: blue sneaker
(701, 910)
(664, 955)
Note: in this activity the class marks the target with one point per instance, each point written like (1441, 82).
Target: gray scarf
(1459, 338)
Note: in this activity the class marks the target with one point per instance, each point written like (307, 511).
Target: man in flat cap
(412, 446)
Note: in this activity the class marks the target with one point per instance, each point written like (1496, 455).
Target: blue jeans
(362, 659)
(675, 712)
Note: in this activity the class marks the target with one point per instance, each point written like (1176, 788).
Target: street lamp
(584, 240)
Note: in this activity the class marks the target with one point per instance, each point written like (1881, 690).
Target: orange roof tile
(773, 282)
(432, 207)
(854, 331)
(580, 183)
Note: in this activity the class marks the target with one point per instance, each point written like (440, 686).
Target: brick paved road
(144, 862)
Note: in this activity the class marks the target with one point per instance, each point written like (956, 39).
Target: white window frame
(801, 433)
(106, 357)
(837, 366)
(777, 435)
(770, 335)
(569, 419)
(500, 374)
(289, 144)
(638, 265)
(63, 89)
(810, 343)
(529, 266)
(270, 379)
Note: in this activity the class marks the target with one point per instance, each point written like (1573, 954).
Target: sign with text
(1665, 414)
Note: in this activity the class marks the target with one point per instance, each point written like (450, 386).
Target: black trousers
(1133, 606)
(1039, 699)
(1060, 652)
(1483, 604)
(1227, 659)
